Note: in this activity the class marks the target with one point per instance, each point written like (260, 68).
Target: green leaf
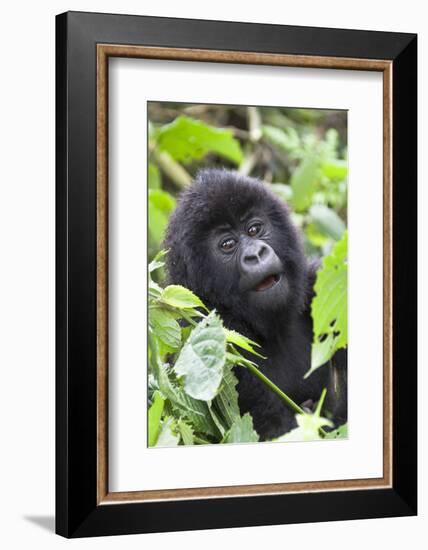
(180, 297)
(226, 401)
(335, 169)
(329, 308)
(327, 221)
(196, 412)
(186, 432)
(187, 139)
(165, 327)
(162, 200)
(288, 141)
(158, 222)
(233, 337)
(155, 413)
(308, 426)
(314, 236)
(155, 291)
(339, 433)
(304, 182)
(202, 359)
(242, 431)
(157, 262)
(167, 436)
(155, 181)
(161, 204)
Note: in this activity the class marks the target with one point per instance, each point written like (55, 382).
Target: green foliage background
(301, 154)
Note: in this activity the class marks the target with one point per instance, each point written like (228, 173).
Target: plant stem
(188, 318)
(171, 168)
(287, 400)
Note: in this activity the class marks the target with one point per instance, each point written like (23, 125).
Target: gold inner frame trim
(104, 51)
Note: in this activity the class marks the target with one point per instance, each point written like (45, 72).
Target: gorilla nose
(256, 253)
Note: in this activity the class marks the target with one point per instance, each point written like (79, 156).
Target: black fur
(282, 325)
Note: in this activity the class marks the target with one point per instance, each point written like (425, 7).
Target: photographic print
(247, 275)
(212, 345)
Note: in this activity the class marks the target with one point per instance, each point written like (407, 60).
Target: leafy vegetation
(301, 155)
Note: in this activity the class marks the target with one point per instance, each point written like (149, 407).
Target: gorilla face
(244, 251)
(231, 241)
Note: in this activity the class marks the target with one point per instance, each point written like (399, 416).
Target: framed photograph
(236, 274)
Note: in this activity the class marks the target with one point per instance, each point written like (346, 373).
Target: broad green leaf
(154, 420)
(154, 175)
(308, 426)
(158, 222)
(157, 261)
(336, 170)
(161, 204)
(314, 236)
(162, 200)
(339, 433)
(195, 411)
(216, 419)
(186, 139)
(322, 350)
(155, 291)
(329, 308)
(327, 221)
(165, 327)
(180, 297)
(202, 359)
(226, 401)
(186, 432)
(242, 431)
(304, 182)
(167, 436)
(243, 342)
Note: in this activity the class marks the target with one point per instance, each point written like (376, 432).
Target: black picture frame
(78, 511)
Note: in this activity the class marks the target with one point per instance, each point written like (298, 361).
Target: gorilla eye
(254, 229)
(228, 244)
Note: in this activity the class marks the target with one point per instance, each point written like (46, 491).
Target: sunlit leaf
(167, 435)
(154, 175)
(339, 433)
(165, 327)
(186, 139)
(186, 432)
(335, 169)
(161, 204)
(304, 182)
(180, 297)
(242, 431)
(154, 418)
(157, 261)
(329, 307)
(243, 342)
(327, 221)
(308, 426)
(202, 359)
(226, 400)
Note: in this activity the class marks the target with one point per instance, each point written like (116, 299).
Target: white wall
(27, 271)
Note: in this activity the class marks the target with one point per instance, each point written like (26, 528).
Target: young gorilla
(231, 242)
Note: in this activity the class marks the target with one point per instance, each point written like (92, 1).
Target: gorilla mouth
(268, 282)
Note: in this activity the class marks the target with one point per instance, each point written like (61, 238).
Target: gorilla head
(231, 241)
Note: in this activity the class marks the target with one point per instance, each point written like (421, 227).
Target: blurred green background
(300, 153)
